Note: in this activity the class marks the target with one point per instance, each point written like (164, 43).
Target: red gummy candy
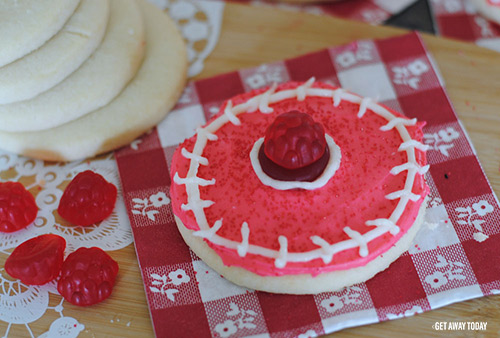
(87, 199)
(87, 276)
(17, 207)
(294, 140)
(38, 260)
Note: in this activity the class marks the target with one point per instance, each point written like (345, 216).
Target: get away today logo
(460, 326)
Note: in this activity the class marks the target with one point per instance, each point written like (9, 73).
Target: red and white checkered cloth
(458, 19)
(445, 264)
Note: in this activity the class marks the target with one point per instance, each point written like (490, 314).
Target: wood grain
(251, 36)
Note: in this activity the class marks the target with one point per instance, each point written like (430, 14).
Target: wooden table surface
(251, 36)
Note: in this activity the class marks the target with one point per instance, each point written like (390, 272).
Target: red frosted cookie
(279, 231)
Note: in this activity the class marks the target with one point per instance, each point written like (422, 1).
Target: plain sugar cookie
(142, 104)
(45, 67)
(28, 24)
(300, 188)
(99, 79)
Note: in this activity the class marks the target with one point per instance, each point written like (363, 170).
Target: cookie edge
(302, 283)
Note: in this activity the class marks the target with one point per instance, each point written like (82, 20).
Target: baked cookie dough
(99, 79)
(140, 106)
(45, 67)
(314, 235)
(28, 24)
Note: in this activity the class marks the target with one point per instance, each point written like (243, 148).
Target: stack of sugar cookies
(82, 77)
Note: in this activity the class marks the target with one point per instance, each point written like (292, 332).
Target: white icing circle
(330, 169)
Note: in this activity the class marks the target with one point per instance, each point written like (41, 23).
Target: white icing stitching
(398, 121)
(253, 104)
(337, 96)
(326, 255)
(200, 159)
(365, 102)
(410, 165)
(281, 261)
(302, 90)
(193, 205)
(386, 224)
(195, 180)
(228, 111)
(242, 248)
(208, 234)
(413, 144)
(359, 239)
(206, 134)
(403, 193)
(264, 102)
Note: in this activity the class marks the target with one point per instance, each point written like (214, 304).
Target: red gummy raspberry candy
(17, 207)
(87, 276)
(87, 199)
(294, 140)
(38, 260)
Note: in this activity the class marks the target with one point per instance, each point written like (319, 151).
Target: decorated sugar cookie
(300, 188)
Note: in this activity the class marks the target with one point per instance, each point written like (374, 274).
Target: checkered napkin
(449, 261)
(458, 19)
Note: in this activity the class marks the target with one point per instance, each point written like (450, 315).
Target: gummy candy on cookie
(294, 140)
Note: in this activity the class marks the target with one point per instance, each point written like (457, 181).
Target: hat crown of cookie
(294, 140)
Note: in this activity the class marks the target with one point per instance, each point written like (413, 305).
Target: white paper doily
(199, 22)
(21, 304)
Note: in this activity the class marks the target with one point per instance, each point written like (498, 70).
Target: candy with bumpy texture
(294, 140)
(87, 276)
(88, 199)
(17, 207)
(38, 260)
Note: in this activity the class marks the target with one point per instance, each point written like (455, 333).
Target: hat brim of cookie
(301, 283)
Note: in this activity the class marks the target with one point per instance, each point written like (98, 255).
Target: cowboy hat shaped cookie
(300, 188)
